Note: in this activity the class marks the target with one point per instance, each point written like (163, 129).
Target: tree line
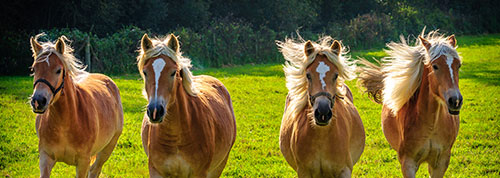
(231, 32)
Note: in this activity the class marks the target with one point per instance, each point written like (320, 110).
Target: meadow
(258, 93)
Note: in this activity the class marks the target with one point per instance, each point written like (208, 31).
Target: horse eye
(173, 74)
(336, 76)
(435, 67)
(58, 71)
(144, 72)
(459, 65)
(308, 76)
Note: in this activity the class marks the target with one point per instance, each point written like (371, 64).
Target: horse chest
(173, 166)
(430, 150)
(56, 143)
(324, 153)
(60, 151)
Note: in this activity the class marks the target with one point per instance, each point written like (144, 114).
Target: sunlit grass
(258, 93)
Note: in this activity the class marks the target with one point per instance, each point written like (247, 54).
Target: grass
(258, 94)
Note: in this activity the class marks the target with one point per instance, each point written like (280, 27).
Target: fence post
(87, 53)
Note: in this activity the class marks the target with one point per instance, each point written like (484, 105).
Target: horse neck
(424, 104)
(174, 126)
(65, 106)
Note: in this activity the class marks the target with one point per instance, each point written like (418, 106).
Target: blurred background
(216, 33)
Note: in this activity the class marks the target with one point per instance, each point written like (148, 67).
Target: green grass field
(258, 94)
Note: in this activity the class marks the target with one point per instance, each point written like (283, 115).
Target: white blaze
(322, 69)
(158, 66)
(449, 61)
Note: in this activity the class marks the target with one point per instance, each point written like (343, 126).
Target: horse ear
(173, 43)
(146, 43)
(60, 45)
(35, 46)
(336, 47)
(452, 40)
(308, 48)
(426, 43)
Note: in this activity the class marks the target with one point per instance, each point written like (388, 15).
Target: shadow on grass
(17, 86)
(479, 40)
(248, 70)
(482, 73)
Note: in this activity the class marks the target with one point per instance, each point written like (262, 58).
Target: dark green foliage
(217, 33)
(228, 42)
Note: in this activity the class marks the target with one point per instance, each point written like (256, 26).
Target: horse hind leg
(102, 157)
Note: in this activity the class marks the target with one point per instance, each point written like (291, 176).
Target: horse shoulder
(100, 111)
(213, 113)
(391, 128)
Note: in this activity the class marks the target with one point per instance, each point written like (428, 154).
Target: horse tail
(370, 77)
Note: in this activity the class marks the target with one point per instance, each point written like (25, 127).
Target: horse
(79, 115)
(418, 87)
(321, 132)
(189, 127)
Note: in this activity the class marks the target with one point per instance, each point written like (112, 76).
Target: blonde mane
(297, 63)
(71, 64)
(403, 67)
(183, 63)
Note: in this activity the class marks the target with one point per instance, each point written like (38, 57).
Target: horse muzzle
(322, 111)
(454, 101)
(155, 112)
(39, 103)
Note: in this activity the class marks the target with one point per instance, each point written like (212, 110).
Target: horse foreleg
(346, 172)
(46, 164)
(102, 157)
(438, 168)
(153, 173)
(218, 171)
(304, 172)
(82, 167)
(409, 167)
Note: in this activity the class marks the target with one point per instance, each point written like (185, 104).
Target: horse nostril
(155, 112)
(450, 101)
(317, 114)
(151, 108)
(43, 101)
(38, 101)
(159, 112)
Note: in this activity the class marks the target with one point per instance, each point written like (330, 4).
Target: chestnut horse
(321, 134)
(189, 127)
(418, 86)
(79, 115)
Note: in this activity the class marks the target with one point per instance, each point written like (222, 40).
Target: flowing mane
(71, 64)
(297, 63)
(403, 67)
(160, 47)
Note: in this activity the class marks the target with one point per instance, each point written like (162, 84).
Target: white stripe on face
(158, 66)
(449, 61)
(322, 69)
